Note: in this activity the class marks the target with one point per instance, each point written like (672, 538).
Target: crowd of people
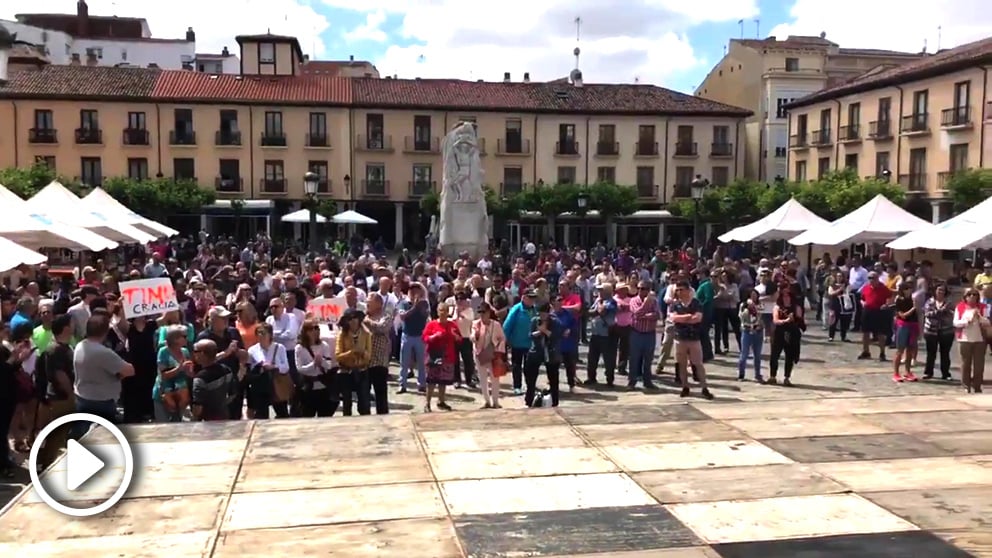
(242, 344)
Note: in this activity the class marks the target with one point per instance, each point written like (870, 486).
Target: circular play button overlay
(83, 465)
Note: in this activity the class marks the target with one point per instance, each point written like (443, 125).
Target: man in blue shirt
(603, 340)
(568, 345)
(414, 311)
(24, 313)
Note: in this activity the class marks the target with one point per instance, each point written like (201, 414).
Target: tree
(611, 201)
(550, 201)
(327, 208)
(969, 188)
(26, 182)
(738, 203)
(159, 197)
(845, 191)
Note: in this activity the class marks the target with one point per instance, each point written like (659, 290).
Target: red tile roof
(97, 26)
(184, 85)
(944, 62)
(81, 82)
(530, 97)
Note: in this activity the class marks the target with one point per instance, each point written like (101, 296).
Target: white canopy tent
(879, 220)
(937, 237)
(22, 226)
(55, 202)
(301, 216)
(13, 254)
(353, 218)
(790, 219)
(101, 202)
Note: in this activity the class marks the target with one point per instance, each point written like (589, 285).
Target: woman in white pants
(487, 341)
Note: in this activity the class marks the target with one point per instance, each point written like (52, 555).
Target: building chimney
(82, 18)
(91, 59)
(190, 35)
(506, 77)
(526, 77)
(153, 65)
(75, 60)
(351, 58)
(225, 52)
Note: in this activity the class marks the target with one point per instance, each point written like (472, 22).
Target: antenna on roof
(637, 79)
(578, 28)
(757, 29)
(724, 50)
(421, 59)
(938, 38)
(924, 46)
(741, 23)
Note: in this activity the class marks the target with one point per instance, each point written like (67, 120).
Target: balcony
(821, 137)
(955, 118)
(681, 191)
(89, 136)
(567, 148)
(413, 144)
(272, 185)
(849, 133)
(374, 143)
(721, 149)
(607, 148)
(512, 147)
(646, 149)
(43, 135)
(229, 185)
(914, 124)
(880, 130)
(375, 188)
(686, 149)
(510, 188)
(182, 137)
(227, 138)
(420, 188)
(317, 140)
(134, 136)
(914, 182)
(647, 191)
(798, 141)
(273, 139)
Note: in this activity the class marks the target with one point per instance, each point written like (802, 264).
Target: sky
(672, 43)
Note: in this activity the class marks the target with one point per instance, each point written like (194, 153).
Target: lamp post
(310, 183)
(886, 175)
(698, 188)
(581, 204)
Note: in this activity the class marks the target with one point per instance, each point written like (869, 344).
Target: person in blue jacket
(516, 328)
(568, 345)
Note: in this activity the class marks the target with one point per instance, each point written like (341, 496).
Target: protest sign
(148, 297)
(327, 310)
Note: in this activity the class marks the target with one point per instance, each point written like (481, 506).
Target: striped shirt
(381, 347)
(644, 317)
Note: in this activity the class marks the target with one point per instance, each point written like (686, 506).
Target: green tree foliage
(550, 200)
(327, 208)
(737, 203)
(969, 188)
(845, 191)
(159, 197)
(611, 200)
(26, 182)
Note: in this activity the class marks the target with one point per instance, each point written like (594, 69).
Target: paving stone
(735, 483)
(961, 443)
(693, 455)
(936, 421)
(948, 509)
(790, 427)
(658, 432)
(897, 474)
(825, 449)
(630, 414)
(872, 545)
(519, 463)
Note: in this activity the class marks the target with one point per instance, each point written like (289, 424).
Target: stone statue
(464, 223)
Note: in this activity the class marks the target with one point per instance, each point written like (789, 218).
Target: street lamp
(311, 181)
(698, 188)
(581, 202)
(886, 175)
(347, 185)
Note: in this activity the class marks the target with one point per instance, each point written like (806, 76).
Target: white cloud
(371, 30)
(645, 39)
(216, 22)
(890, 24)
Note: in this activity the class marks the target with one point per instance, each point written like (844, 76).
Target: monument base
(452, 251)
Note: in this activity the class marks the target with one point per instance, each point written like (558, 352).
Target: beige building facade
(917, 124)
(764, 75)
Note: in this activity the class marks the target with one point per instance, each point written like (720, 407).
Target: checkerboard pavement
(891, 476)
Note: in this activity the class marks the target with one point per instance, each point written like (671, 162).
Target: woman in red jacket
(441, 336)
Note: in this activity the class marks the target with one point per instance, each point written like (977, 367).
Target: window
(720, 175)
(513, 136)
(266, 53)
(780, 110)
(375, 179)
(184, 168)
(230, 175)
(645, 182)
(606, 174)
(853, 114)
(802, 126)
(318, 124)
(958, 156)
(607, 133)
(791, 64)
(645, 133)
(137, 168)
(422, 175)
(88, 120)
(881, 163)
(183, 132)
(321, 169)
(566, 139)
(136, 121)
(91, 172)
(273, 124)
(851, 161)
(884, 109)
(721, 135)
(44, 120)
(822, 167)
(684, 134)
(421, 132)
(47, 160)
(513, 179)
(684, 175)
(566, 175)
(800, 171)
(94, 52)
(374, 127)
(825, 119)
(781, 152)
(917, 168)
(962, 94)
(920, 101)
(274, 170)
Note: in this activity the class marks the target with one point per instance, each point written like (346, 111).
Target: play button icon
(82, 466)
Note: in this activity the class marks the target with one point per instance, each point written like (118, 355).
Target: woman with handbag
(489, 346)
(268, 376)
(353, 351)
(787, 315)
(972, 333)
(441, 336)
(318, 372)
